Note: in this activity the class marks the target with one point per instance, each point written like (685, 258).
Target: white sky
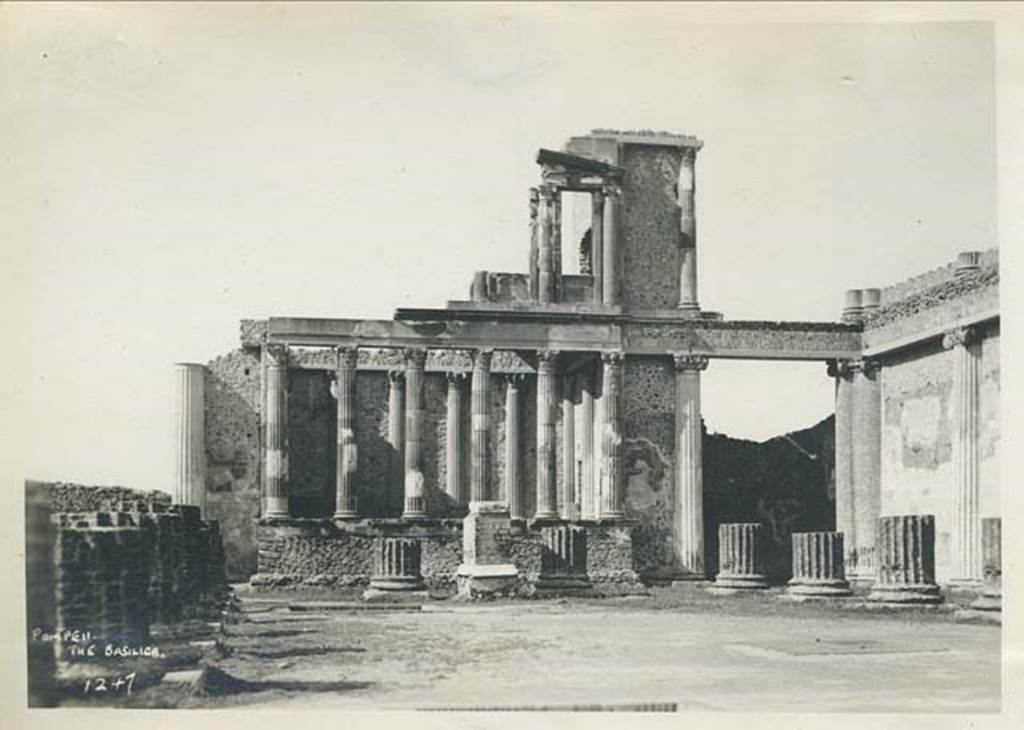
(171, 170)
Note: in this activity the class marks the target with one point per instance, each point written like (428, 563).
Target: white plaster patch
(919, 422)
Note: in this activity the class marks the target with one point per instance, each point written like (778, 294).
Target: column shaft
(597, 244)
(867, 465)
(547, 495)
(610, 272)
(481, 407)
(588, 500)
(570, 499)
(545, 254)
(688, 226)
(966, 532)
(844, 490)
(396, 438)
(453, 440)
(190, 435)
(513, 488)
(689, 517)
(612, 446)
(415, 504)
(906, 560)
(275, 468)
(345, 503)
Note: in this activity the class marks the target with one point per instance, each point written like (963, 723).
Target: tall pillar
(547, 495)
(190, 435)
(533, 265)
(345, 504)
(513, 488)
(612, 447)
(396, 437)
(843, 476)
(688, 226)
(610, 247)
(556, 245)
(275, 465)
(966, 534)
(545, 252)
(570, 498)
(588, 498)
(597, 244)
(415, 504)
(481, 407)
(454, 484)
(689, 510)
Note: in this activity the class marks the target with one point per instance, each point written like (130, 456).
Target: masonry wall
(917, 437)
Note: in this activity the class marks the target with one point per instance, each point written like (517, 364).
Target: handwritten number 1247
(100, 684)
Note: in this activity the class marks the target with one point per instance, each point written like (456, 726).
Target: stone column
(190, 435)
(534, 263)
(396, 565)
(688, 227)
(991, 598)
(587, 487)
(844, 491)
(453, 440)
(513, 488)
(906, 560)
(415, 504)
(556, 245)
(347, 459)
(818, 565)
(275, 465)
(547, 495)
(396, 437)
(612, 446)
(481, 406)
(966, 533)
(597, 244)
(689, 502)
(610, 248)
(741, 556)
(545, 252)
(570, 506)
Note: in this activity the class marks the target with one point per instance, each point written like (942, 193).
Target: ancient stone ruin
(548, 429)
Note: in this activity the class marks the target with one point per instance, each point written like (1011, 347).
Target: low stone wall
(72, 497)
(610, 562)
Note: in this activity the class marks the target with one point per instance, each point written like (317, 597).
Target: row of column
(546, 257)
(405, 426)
(858, 429)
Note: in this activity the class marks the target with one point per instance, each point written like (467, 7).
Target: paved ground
(681, 650)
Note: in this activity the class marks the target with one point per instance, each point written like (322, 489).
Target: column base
(396, 583)
(988, 601)
(545, 518)
(753, 581)
(275, 507)
(905, 594)
(345, 516)
(807, 587)
(415, 516)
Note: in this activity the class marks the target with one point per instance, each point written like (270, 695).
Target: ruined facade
(572, 400)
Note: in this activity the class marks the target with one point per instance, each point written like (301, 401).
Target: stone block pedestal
(486, 569)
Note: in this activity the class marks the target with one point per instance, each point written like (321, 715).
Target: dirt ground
(680, 648)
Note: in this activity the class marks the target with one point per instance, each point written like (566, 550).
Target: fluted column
(547, 496)
(906, 560)
(454, 483)
(587, 487)
(610, 247)
(534, 262)
(688, 226)
(396, 437)
(570, 506)
(480, 464)
(689, 502)
(991, 598)
(741, 556)
(513, 487)
(347, 458)
(545, 251)
(612, 445)
(563, 558)
(275, 466)
(190, 435)
(556, 245)
(966, 532)
(818, 565)
(415, 504)
(844, 491)
(396, 564)
(597, 244)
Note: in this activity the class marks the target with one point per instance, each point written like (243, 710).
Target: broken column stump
(396, 569)
(563, 560)
(818, 565)
(991, 598)
(906, 561)
(486, 569)
(741, 556)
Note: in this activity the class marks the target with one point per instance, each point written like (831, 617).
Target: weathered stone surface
(818, 565)
(741, 556)
(906, 561)
(396, 564)
(991, 598)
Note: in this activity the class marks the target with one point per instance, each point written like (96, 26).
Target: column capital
(846, 368)
(547, 359)
(597, 199)
(963, 336)
(514, 380)
(546, 192)
(415, 357)
(456, 377)
(482, 357)
(612, 357)
(611, 190)
(277, 355)
(689, 154)
(396, 377)
(348, 356)
(684, 361)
